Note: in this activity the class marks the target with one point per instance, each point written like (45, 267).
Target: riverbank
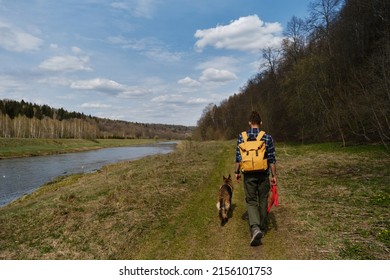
(21, 176)
(25, 147)
(332, 206)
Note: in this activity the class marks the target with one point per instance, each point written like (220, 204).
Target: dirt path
(233, 238)
(210, 240)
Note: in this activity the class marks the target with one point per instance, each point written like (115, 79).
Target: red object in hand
(273, 199)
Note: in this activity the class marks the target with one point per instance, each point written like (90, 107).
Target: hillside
(26, 120)
(329, 81)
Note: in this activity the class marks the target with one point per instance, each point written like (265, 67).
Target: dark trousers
(257, 187)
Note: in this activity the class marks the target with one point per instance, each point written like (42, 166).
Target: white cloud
(178, 99)
(188, 82)
(215, 75)
(53, 46)
(137, 8)
(221, 62)
(120, 5)
(152, 48)
(173, 98)
(97, 84)
(144, 8)
(68, 63)
(9, 83)
(117, 40)
(16, 40)
(76, 50)
(110, 87)
(55, 81)
(160, 54)
(245, 34)
(94, 105)
(197, 101)
(134, 91)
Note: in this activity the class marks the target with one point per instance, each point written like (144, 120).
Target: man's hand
(238, 177)
(237, 171)
(273, 173)
(273, 180)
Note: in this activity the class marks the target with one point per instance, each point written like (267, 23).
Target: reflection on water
(22, 176)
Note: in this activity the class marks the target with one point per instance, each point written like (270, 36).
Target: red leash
(273, 199)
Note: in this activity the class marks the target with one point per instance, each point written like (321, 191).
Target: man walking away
(256, 175)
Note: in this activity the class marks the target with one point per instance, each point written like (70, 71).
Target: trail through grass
(334, 204)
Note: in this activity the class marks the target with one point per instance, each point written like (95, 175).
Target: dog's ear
(229, 176)
(223, 176)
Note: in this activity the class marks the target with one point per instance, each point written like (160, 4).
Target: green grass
(334, 204)
(342, 199)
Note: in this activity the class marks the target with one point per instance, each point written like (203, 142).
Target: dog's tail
(221, 204)
(223, 209)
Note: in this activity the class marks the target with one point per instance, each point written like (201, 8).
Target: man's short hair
(255, 118)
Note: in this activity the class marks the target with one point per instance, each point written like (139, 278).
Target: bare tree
(295, 42)
(322, 15)
(271, 57)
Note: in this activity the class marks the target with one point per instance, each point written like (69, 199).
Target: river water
(20, 176)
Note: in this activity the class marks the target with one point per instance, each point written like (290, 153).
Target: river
(21, 176)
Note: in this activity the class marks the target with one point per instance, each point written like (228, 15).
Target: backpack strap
(244, 136)
(260, 135)
(258, 138)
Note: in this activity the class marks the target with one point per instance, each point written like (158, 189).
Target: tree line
(329, 81)
(20, 119)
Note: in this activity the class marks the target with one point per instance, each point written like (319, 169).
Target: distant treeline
(330, 80)
(27, 120)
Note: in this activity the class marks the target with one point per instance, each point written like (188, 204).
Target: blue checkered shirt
(269, 145)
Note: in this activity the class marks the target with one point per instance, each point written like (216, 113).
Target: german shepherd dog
(224, 201)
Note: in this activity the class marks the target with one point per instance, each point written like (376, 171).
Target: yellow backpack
(253, 154)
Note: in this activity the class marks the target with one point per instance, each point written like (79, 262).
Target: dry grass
(340, 199)
(333, 205)
(106, 215)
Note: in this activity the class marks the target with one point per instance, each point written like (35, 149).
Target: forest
(26, 120)
(329, 81)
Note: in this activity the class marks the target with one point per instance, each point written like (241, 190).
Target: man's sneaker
(256, 237)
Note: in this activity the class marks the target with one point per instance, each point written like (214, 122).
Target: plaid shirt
(269, 145)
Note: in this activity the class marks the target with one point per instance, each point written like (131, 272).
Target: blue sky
(148, 61)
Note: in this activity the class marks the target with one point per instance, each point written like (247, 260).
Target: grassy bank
(22, 147)
(339, 200)
(334, 204)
